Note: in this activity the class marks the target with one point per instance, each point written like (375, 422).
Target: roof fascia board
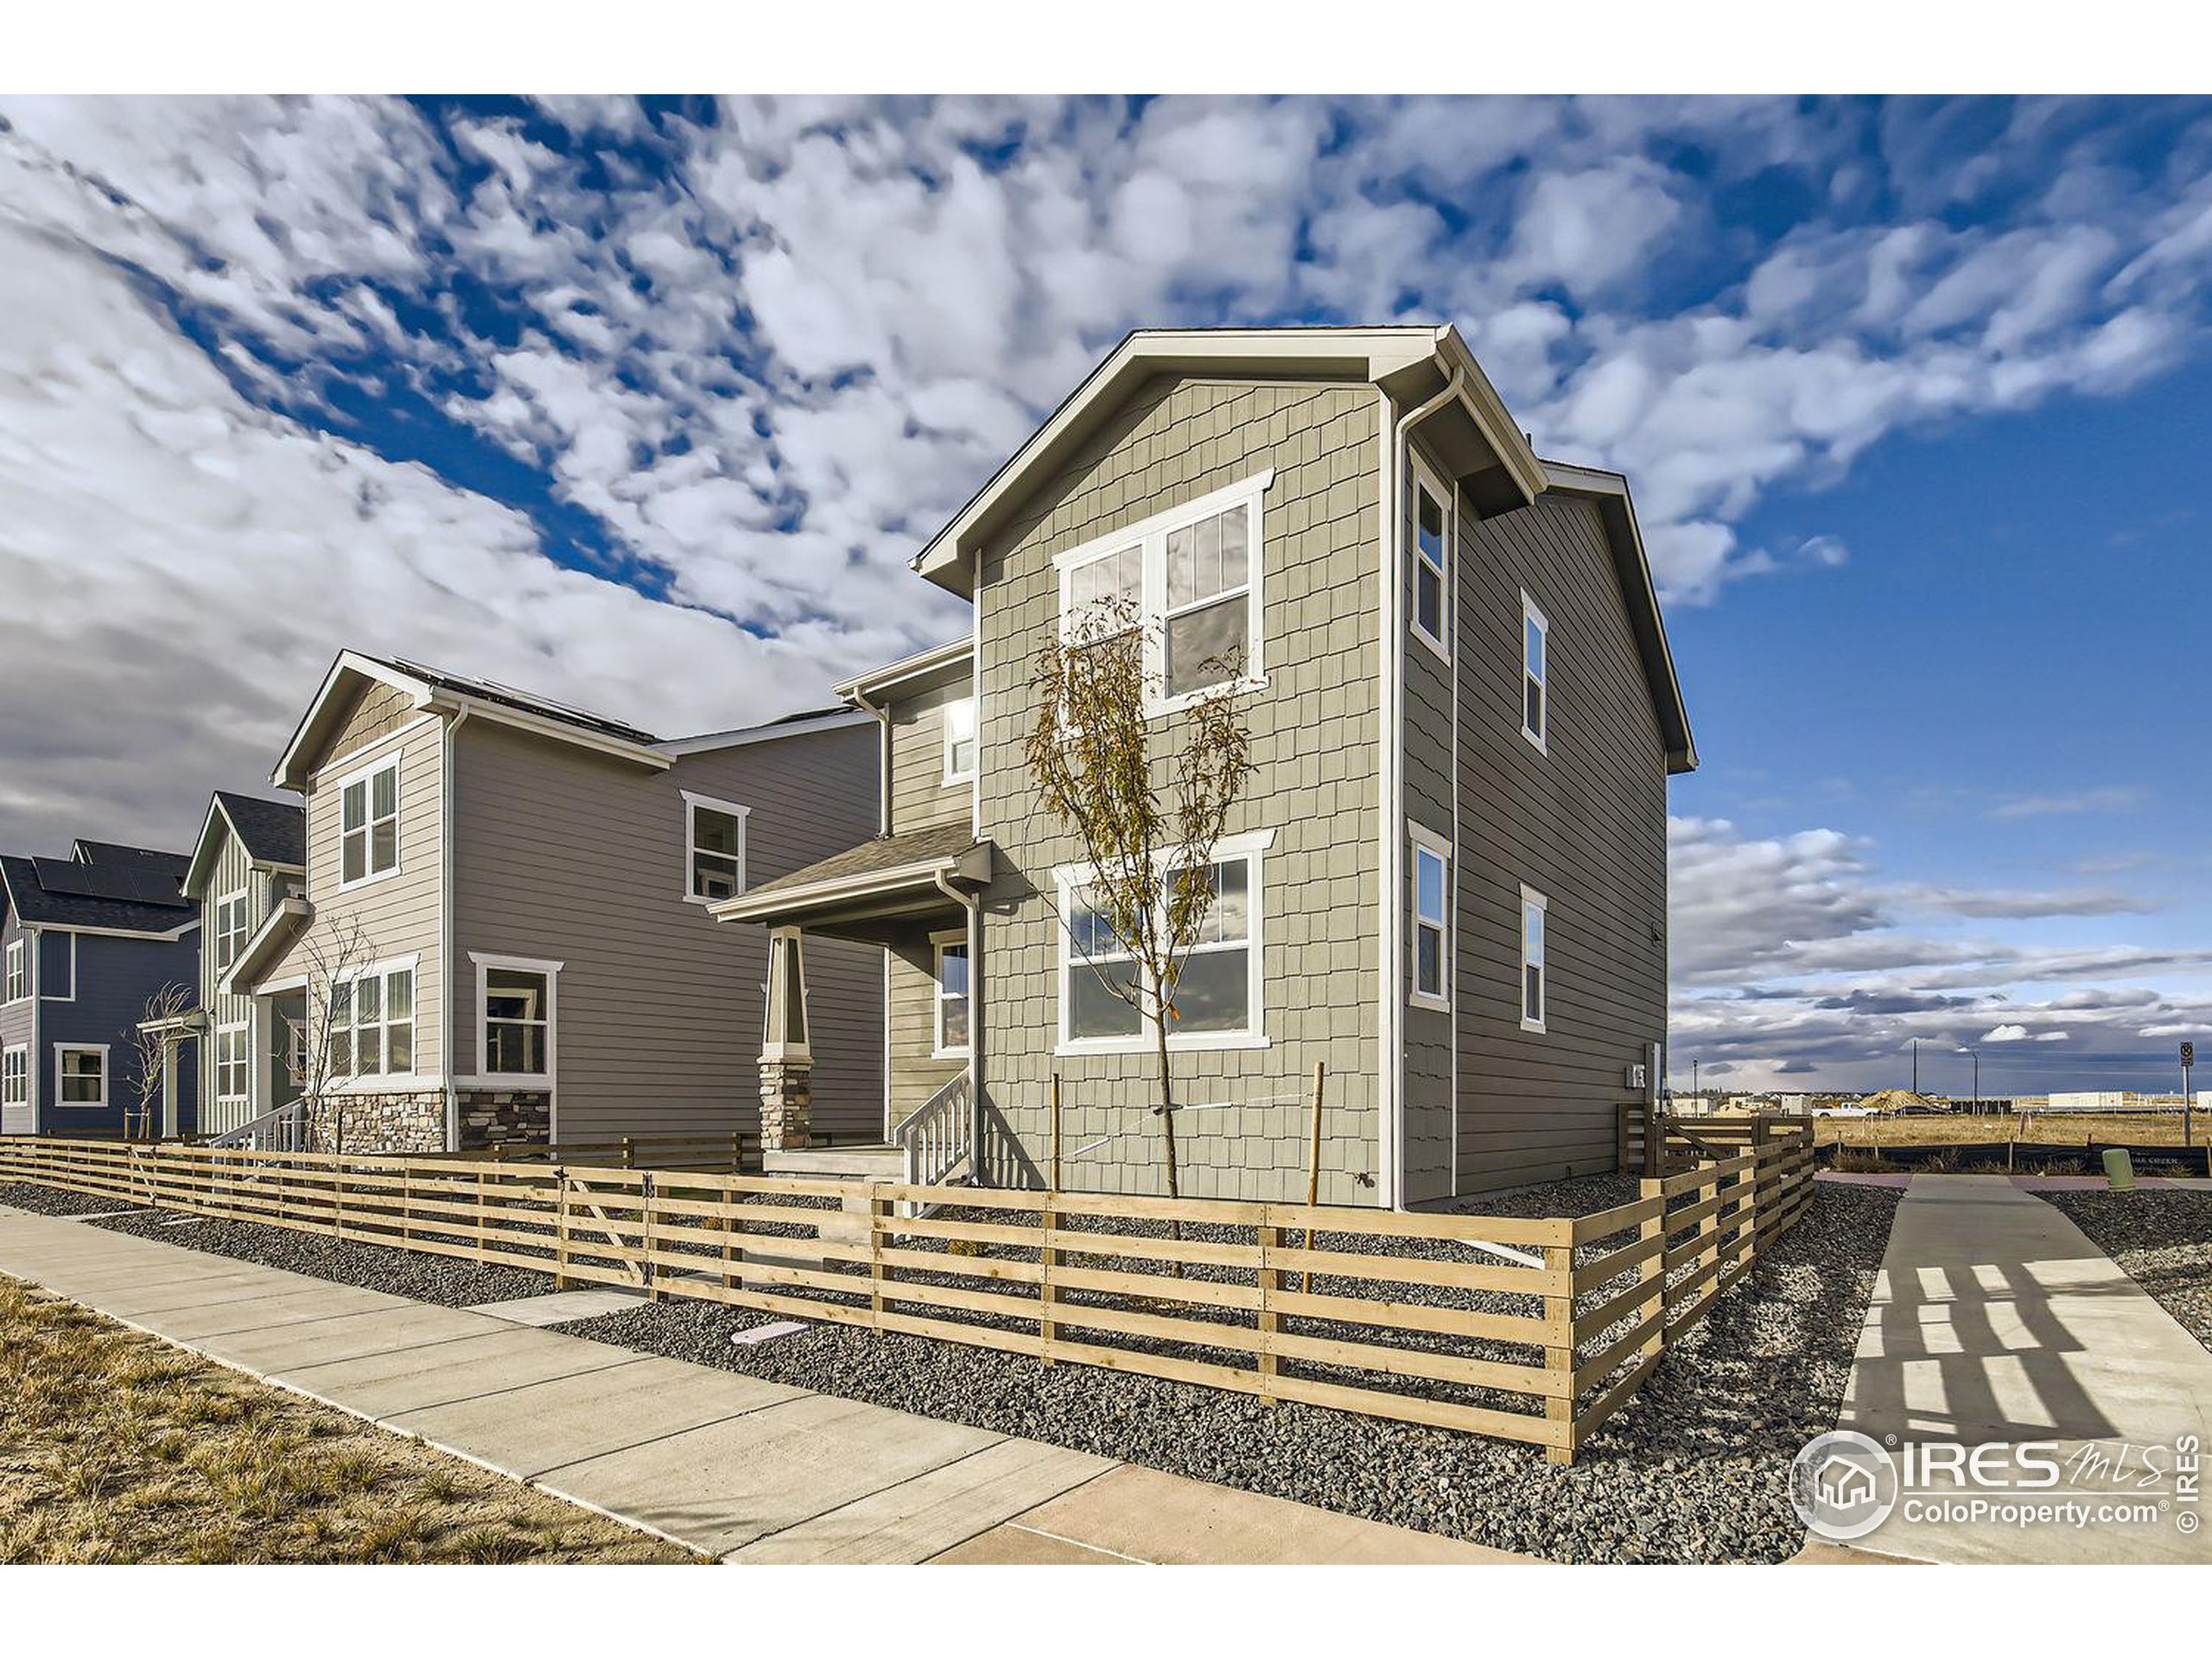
(934, 660)
(291, 771)
(194, 882)
(678, 746)
(741, 908)
(446, 702)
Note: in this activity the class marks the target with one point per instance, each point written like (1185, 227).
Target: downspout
(449, 832)
(971, 905)
(1391, 1008)
(34, 1062)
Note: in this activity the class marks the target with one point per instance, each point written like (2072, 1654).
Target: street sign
(2189, 1053)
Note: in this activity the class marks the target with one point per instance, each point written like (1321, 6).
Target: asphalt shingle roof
(132, 889)
(272, 832)
(884, 852)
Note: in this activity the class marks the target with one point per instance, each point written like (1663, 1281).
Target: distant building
(2114, 1100)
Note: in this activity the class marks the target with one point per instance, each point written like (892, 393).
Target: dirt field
(118, 1447)
(2047, 1129)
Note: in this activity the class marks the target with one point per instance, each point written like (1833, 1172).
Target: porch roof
(870, 890)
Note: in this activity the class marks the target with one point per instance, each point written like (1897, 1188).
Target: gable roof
(273, 833)
(1410, 362)
(442, 691)
(101, 885)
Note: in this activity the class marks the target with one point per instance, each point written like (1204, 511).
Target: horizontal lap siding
(1315, 730)
(921, 798)
(233, 871)
(1586, 824)
(116, 978)
(572, 857)
(916, 1073)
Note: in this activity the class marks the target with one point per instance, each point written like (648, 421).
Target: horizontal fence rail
(1396, 1316)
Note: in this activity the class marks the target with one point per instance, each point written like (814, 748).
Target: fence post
(646, 1237)
(1655, 1141)
(1047, 1259)
(1270, 1238)
(629, 1152)
(879, 1276)
(1559, 1351)
(1654, 1267)
(561, 1227)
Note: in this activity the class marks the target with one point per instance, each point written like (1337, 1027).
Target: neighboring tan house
(508, 896)
(86, 944)
(250, 856)
(1447, 882)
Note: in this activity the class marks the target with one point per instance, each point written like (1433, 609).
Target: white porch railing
(939, 1135)
(282, 1129)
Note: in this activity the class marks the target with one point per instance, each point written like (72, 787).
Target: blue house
(89, 945)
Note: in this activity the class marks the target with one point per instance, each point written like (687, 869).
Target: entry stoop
(848, 1223)
(882, 1163)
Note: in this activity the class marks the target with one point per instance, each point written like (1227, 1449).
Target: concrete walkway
(732, 1466)
(1996, 1319)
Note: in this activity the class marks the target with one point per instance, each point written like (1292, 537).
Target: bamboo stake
(1053, 1184)
(1313, 1165)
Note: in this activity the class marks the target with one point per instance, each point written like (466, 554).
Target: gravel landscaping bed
(2162, 1240)
(53, 1201)
(444, 1280)
(1694, 1469)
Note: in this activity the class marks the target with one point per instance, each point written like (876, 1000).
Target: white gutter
(1391, 1010)
(447, 833)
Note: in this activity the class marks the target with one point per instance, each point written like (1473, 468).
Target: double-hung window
(1431, 918)
(372, 1023)
(83, 1074)
(1536, 988)
(1216, 999)
(1190, 579)
(960, 740)
(230, 929)
(1535, 694)
(368, 824)
(19, 985)
(232, 1063)
(1432, 617)
(517, 998)
(714, 863)
(15, 1077)
(952, 996)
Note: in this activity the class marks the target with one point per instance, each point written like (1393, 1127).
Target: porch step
(883, 1163)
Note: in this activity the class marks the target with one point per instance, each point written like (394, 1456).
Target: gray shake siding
(1316, 732)
(1583, 822)
(919, 799)
(566, 856)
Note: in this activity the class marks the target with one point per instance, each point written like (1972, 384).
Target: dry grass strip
(117, 1447)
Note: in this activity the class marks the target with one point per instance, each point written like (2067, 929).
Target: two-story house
(1446, 883)
(503, 932)
(250, 856)
(89, 944)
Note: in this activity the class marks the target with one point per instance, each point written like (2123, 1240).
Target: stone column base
(787, 1105)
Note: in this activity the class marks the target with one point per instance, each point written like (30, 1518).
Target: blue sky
(649, 404)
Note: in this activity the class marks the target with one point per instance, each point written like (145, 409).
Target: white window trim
(368, 774)
(956, 939)
(242, 897)
(18, 966)
(1531, 898)
(17, 1055)
(692, 803)
(1151, 534)
(244, 1028)
(1069, 878)
(61, 1052)
(1424, 479)
(1530, 612)
(485, 961)
(953, 774)
(1427, 841)
(371, 1083)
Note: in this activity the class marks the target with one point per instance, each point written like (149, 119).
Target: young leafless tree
(1148, 800)
(152, 1052)
(333, 958)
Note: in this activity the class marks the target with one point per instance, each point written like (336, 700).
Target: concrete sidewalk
(734, 1467)
(1995, 1318)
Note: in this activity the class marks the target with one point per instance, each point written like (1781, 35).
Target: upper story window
(960, 740)
(516, 997)
(19, 985)
(372, 1023)
(232, 1065)
(1190, 578)
(15, 1077)
(714, 860)
(1535, 988)
(1535, 695)
(952, 996)
(1432, 616)
(230, 929)
(368, 824)
(1432, 934)
(83, 1074)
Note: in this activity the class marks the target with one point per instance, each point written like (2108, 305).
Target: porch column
(786, 1061)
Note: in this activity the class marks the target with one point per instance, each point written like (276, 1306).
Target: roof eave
(933, 661)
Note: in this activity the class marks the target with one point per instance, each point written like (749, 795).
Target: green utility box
(2119, 1169)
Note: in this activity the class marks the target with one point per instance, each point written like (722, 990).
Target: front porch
(914, 897)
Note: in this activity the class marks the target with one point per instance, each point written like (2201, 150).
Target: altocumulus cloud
(650, 404)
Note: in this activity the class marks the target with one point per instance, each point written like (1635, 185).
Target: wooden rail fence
(1392, 1315)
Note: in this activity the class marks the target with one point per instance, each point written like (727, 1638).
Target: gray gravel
(2162, 1240)
(444, 1280)
(1694, 1469)
(53, 1201)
